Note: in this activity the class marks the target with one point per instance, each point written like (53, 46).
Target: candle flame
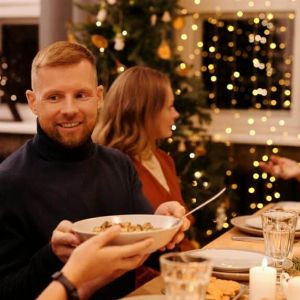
(264, 262)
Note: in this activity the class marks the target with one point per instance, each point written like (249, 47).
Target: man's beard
(69, 141)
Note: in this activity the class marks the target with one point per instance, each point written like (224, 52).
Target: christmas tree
(126, 33)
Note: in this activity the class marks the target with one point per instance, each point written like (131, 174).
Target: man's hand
(63, 240)
(174, 208)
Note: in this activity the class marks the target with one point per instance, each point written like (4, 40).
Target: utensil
(247, 238)
(202, 205)
(206, 202)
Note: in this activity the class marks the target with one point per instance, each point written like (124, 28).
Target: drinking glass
(186, 277)
(279, 232)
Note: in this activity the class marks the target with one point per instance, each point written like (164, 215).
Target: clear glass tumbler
(186, 277)
(279, 232)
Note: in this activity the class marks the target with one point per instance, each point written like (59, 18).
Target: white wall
(19, 9)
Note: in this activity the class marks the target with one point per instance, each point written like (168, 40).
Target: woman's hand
(175, 209)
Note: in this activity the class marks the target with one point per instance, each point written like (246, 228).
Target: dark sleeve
(25, 268)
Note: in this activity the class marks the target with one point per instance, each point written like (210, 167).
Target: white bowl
(165, 229)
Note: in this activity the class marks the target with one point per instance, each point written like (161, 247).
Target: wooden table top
(155, 286)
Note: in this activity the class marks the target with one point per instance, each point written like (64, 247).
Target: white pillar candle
(293, 290)
(262, 283)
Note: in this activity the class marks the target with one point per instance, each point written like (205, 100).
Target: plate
(240, 223)
(231, 260)
(288, 205)
(256, 222)
(232, 276)
(146, 297)
(163, 297)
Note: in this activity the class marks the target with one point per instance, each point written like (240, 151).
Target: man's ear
(31, 99)
(99, 96)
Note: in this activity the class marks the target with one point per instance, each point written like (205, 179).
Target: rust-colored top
(152, 188)
(156, 193)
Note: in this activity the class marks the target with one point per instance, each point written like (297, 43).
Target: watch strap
(68, 285)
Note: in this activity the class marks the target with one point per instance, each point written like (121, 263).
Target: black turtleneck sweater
(43, 183)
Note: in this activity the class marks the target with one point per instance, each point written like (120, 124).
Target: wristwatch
(67, 284)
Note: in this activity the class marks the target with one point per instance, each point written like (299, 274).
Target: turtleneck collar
(52, 150)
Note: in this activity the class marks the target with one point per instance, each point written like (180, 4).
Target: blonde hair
(60, 53)
(130, 106)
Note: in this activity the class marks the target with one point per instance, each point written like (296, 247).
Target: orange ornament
(99, 41)
(178, 23)
(183, 72)
(164, 50)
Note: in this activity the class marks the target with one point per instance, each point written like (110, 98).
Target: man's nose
(69, 106)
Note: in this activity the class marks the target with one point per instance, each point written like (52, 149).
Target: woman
(138, 111)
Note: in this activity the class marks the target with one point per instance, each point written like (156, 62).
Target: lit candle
(262, 282)
(292, 288)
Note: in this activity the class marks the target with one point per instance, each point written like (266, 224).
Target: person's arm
(55, 290)
(95, 264)
(281, 167)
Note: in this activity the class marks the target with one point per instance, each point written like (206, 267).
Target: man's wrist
(67, 284)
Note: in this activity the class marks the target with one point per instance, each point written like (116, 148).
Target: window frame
(18, 12)
(222, 119)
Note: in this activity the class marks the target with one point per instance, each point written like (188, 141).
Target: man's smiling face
(66, 100)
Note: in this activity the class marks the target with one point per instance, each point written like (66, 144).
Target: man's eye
(53, 98)
(82, 96)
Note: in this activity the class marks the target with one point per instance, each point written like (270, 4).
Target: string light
(220, 46)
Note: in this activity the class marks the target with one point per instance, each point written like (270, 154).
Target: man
(61, 175)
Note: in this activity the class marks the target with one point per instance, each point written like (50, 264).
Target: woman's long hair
(131, 105)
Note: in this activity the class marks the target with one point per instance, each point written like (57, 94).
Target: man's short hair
(60, 53)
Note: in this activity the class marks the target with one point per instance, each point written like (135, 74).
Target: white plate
(240, 223)
(163, 297)
(146, 297)
(231, 260)
(256, 222)
(288, 205)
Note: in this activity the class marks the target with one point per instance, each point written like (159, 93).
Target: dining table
(224, 241)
